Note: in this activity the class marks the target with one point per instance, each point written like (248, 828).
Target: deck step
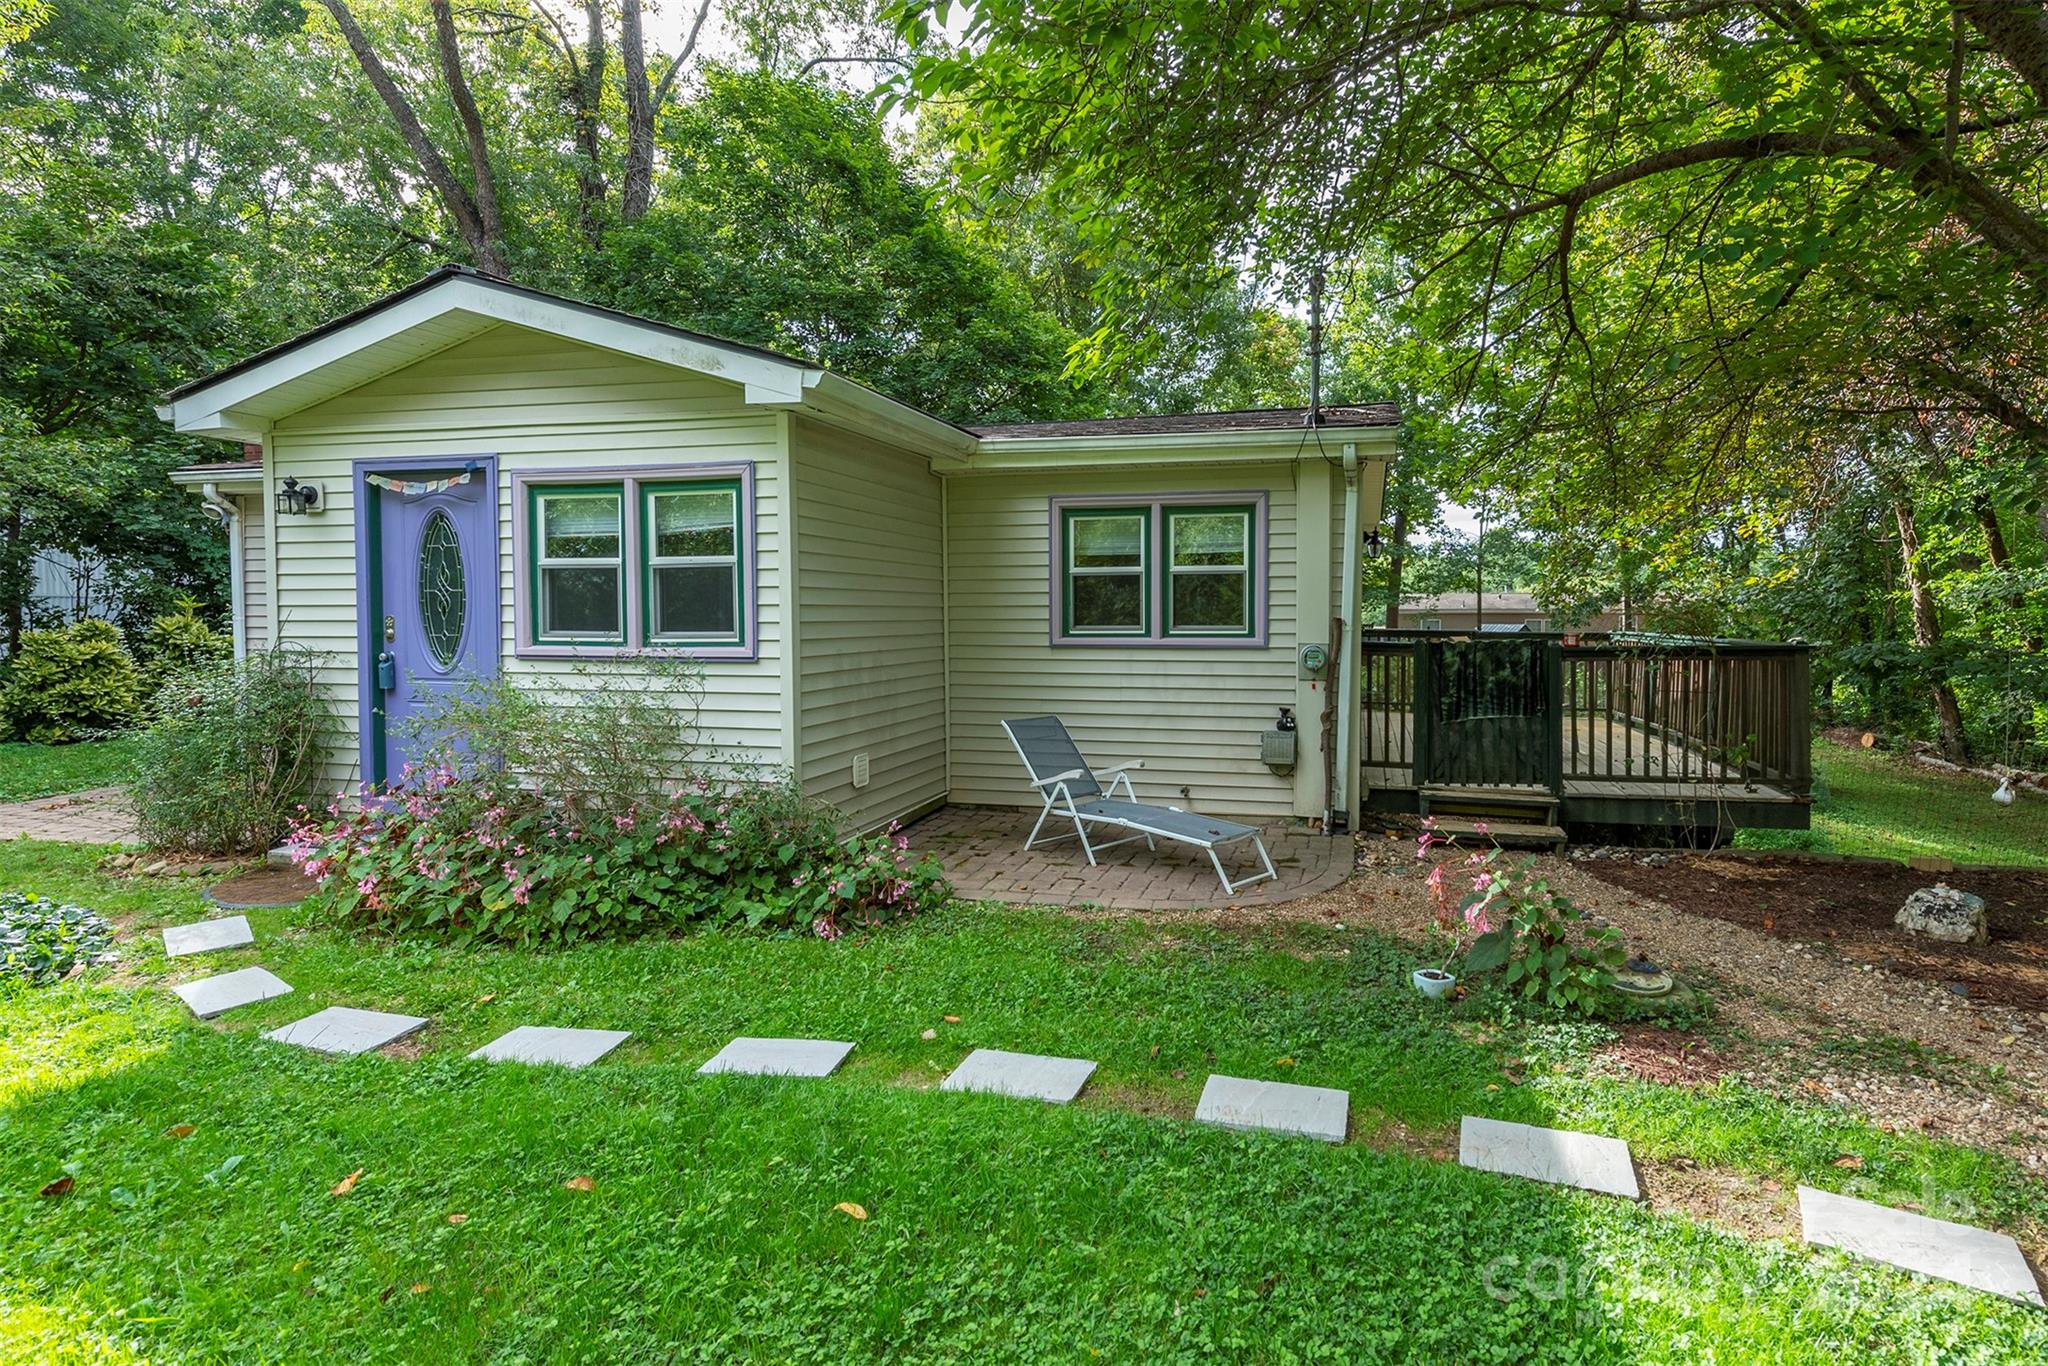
(1513, 833)
(1528, 806)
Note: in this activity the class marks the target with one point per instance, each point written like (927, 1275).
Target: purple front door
(432, 553)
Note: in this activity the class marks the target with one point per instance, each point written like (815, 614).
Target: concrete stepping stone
(1029, 1076)
(778, 1057)
(344, 1029)
(546, 1044)
(211, 996)
(1242, 1103)
(1591, 1162)
(1975, 1257)
(207, 935)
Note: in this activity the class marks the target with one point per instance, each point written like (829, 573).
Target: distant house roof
(1462, 602)
(1166, 424)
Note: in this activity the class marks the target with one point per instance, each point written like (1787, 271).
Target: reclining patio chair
(1074, 792)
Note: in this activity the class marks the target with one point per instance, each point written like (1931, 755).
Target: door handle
(387, 671)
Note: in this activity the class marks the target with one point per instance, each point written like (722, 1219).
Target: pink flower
(1481, 827)
(825, 928)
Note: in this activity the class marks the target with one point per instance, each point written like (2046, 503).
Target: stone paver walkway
(1561, 1157)
(344, 1029)
(1028, 1076)
(982, 848)
(99, 815)
(1975, 1257)
(204, 936)
(211, 996)
(778, 1057)
(549, 1044)
(1281, 1106)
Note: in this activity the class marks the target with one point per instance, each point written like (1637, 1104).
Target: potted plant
(1457, 922)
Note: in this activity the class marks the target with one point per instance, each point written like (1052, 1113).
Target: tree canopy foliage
(1692, 280)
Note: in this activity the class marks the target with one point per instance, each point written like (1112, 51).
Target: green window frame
(551, 562)
(1094, 577)
(707, 544)
(1211, 561)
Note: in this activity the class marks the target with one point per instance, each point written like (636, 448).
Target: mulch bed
(1851, 906)
(264, 887)
(1668, 1056)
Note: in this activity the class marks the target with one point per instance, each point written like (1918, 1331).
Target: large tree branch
(2018, 31)
(483, 248)
(668, 77)
(2007, 226)
(449, 50)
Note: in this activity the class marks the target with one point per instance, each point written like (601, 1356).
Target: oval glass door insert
(443, 594)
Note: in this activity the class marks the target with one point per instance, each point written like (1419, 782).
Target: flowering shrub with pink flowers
(550, 818)
(469, 855)
(1501, 913)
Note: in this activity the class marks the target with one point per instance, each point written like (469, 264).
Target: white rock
(1941, 912)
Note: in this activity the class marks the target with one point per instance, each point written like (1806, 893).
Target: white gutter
(230, 517)
(1349, 645)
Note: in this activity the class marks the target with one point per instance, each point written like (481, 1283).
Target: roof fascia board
(834, 399)
(1177, 448)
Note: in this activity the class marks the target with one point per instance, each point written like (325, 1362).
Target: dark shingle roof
(1165, 424)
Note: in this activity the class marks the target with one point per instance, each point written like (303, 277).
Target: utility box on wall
(1276, 748)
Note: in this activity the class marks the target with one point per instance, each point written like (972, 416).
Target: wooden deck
(1594, 730)
(1593, 746)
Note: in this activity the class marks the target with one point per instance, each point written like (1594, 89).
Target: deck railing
(1617, 710)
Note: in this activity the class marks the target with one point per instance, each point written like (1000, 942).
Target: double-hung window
(579, 565)
(657, 560)
(693, 563)
(1166, 571)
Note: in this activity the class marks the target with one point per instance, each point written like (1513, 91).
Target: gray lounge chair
(1074, 792)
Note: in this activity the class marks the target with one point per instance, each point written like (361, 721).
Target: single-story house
(471, 477)
(1471, 612)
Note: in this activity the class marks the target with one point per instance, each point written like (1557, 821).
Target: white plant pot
(1433, 982)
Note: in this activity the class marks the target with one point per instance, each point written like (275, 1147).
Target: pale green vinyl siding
(870, 623)
(539, 403)
(1193, 712)
(255, 574)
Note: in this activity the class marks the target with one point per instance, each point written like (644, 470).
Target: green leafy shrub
(41, 939)
(562, 818)
(177, 641)
(1544, 947)
(233, 751)
(69, 683)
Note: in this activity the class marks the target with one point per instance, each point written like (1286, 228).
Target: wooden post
(1424, 728)
(1553, 706)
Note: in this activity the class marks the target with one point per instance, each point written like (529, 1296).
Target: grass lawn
(996, 1228)
(29, 771)
(1883, 806)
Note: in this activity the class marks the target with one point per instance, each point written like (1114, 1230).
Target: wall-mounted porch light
(1373, 544)
(295, 499)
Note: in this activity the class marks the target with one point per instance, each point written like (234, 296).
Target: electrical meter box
(1315, 661)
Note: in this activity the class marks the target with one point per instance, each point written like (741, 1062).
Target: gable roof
(454, 304)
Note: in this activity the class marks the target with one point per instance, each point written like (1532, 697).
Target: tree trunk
(484, 248)
(1927, 634)
(1397, 558)
(590, 182)
(637, 188)
(13, 561)
(1994, 534)
(484, 185)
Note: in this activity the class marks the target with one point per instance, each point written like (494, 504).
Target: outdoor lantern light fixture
(295, 499)
(1372, 544)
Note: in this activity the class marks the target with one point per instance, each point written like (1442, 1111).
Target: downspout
(1347, 659)
(230, 516)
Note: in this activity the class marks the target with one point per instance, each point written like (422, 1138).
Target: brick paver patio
(99, 815)
(983, 851)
